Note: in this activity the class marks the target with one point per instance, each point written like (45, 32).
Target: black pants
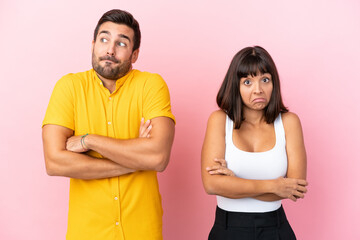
(255, 226)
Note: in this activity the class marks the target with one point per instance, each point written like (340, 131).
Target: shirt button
(117, 223)
(109, 98)
(109, 122)
(116, 198)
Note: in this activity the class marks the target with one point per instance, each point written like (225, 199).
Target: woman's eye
(247, 82)
(266, 80)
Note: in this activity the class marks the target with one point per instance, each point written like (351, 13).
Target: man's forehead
(116, 29)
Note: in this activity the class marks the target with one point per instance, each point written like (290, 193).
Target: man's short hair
(121, 17)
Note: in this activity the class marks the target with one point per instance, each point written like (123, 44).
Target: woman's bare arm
(215, 182)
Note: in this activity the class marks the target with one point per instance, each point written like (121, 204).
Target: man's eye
(121, 44)
(103, 40)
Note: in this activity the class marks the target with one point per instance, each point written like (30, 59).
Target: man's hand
(144, 130)
(76, 144)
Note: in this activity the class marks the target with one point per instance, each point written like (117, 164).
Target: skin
(219, 180)
(150, 153)
(62, 162)
(112, 52)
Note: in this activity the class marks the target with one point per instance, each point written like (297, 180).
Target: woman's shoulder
(217, 116)
(217, 120)
(290, 120)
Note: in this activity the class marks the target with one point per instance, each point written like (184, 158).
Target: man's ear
(135, 55)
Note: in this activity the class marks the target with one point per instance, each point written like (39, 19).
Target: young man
(91, 134)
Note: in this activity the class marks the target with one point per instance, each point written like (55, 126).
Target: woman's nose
(257, 88)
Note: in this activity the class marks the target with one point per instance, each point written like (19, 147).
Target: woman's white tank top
(254, 165)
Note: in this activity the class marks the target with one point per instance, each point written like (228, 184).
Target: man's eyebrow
(104, 31)
(124, 36)
(120, 35)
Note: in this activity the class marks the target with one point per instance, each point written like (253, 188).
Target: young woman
(253, 154)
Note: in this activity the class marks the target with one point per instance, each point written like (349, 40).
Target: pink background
(316, 45)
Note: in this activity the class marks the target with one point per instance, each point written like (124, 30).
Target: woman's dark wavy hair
(121, 17)
(249, 61)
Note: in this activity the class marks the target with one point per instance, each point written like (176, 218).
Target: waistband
(244, 219)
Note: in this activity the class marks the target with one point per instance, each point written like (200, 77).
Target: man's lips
(110, 59)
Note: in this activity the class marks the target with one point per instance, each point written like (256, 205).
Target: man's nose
(111, 50)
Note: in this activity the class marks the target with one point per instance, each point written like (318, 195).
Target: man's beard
(108, 72)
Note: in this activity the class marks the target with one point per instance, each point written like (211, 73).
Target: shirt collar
(119, 82)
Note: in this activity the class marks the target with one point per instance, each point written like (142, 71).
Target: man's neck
(109, 84)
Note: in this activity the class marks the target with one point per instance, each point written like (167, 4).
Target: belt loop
(255, 228)
(226, 219)
(278, 223)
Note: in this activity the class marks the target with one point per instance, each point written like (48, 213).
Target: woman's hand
(290, 188)
(220, 168)
(145, 127)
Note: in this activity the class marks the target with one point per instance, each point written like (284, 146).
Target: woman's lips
(259, 100)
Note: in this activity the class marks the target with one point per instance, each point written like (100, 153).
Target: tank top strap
(228, 129)
(279, 130)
